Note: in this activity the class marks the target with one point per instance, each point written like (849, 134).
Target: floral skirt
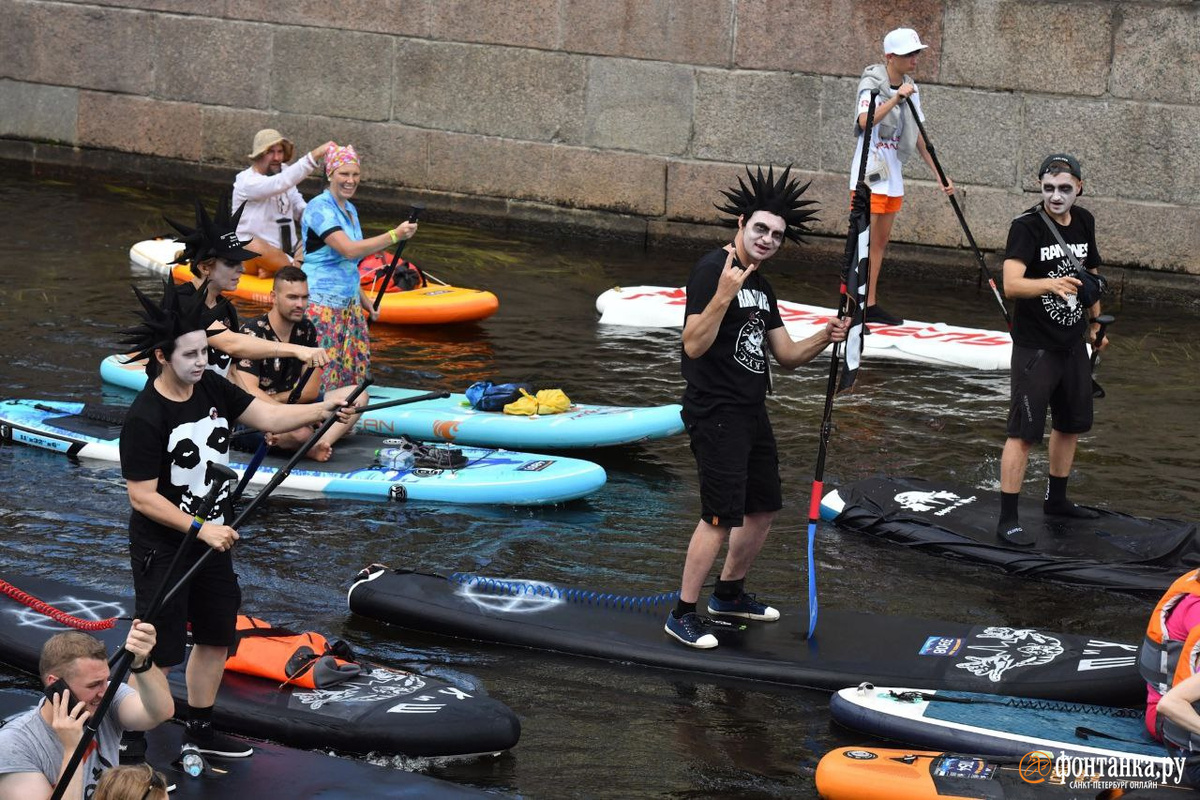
(343, 333)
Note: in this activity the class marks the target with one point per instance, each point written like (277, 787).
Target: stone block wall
(626, 116)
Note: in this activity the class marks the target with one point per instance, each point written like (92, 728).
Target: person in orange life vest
(894, 139)
(1175, 618)
(731, 329)
(36, 747)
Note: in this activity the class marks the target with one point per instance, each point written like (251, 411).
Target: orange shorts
(883, 204)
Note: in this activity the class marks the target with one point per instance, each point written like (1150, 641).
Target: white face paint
(190, 357)
(1059, 192)
(762, 235)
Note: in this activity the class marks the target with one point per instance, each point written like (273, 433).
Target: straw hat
(268, 137)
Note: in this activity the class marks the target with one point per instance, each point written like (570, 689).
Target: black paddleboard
(849, 647)
(383, 710)
(273, 767)
(1115, 551)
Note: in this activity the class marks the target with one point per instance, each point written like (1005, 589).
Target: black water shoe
(1069, 509)
(1012, 533)
(879, 316)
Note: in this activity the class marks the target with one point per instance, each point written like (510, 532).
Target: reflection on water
(591, 728)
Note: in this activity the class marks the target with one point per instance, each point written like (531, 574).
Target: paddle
(402, 401)
(122, 659)
(1104, 320)
(844, 309)
(261, 452)
(413, 213)
(983, 269)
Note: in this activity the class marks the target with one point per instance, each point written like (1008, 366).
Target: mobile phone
(60, 687)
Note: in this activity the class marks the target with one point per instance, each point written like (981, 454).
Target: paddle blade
(812, 579)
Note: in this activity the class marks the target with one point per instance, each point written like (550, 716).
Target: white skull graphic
(192, 446)
(925, 501)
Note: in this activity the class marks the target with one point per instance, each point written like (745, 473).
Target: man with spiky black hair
(732, 328)
(176, 428)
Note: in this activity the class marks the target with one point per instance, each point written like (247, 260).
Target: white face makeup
(190, 357)
(1059, 192)
(762, 235)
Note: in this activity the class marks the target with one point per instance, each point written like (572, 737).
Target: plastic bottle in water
(397, 458)
(192, 761)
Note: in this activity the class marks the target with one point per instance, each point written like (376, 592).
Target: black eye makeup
(1062, 188)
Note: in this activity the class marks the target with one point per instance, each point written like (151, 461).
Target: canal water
(591, 728)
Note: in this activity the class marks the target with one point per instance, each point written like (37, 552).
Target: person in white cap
(273, 206)
(894, 139)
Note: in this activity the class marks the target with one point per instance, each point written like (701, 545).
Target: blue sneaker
(746, 606)
(689, 629)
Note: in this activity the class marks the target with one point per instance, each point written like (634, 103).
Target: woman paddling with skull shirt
(179, 424)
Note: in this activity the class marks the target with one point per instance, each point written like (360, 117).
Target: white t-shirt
(883, 161)
(270, 198)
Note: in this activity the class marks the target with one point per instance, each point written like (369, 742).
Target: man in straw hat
(272, 204)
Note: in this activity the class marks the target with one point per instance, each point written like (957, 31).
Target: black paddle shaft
(122, 660)
(261, 452)
(413, 213)
(937, 165)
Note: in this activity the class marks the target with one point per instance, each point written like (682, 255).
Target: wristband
(144, 667)
(197, 524)
(392, 234)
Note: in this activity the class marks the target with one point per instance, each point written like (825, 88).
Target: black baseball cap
(1064, 162)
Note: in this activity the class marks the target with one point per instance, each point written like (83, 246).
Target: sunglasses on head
(154, 781)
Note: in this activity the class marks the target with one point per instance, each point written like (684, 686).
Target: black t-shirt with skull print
(174, 442)
(1048, 321)
(734, 370)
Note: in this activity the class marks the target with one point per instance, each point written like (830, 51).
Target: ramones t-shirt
(1048, 321)
(174, 441)
(734, 370)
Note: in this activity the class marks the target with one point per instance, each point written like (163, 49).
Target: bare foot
(321, 451)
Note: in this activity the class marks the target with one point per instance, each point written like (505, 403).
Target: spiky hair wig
(162, 323)
(779, 197)
(213, 237)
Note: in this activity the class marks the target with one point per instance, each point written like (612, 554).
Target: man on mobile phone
(36, 746)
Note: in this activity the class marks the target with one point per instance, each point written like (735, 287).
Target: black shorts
(210, 602)
(737, 462)
(1054, 379)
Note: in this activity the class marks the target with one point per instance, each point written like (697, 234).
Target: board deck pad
(383, 710)
(431, 304)
(922, 342)
(849, 647)
(1115, 551)
(452, 419)
(994, 725)
(490, 476)
(870, 773)
(305, 773)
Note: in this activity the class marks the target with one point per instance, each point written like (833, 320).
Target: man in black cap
(1050, 366)
(215, 255)
(177, 426)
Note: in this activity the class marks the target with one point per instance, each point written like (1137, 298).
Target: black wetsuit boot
(1009, 528)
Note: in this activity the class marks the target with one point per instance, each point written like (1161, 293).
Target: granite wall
(623, 117)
